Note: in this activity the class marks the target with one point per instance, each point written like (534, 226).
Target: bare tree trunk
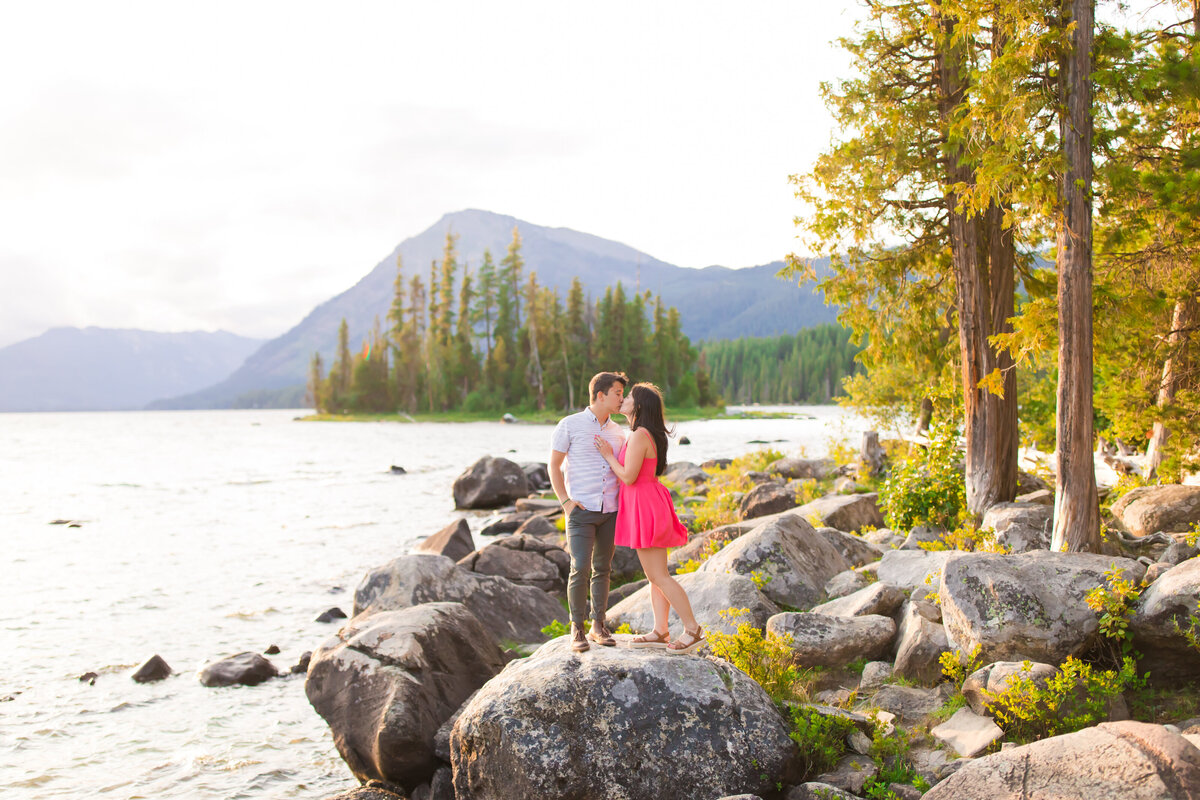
(1076, 507)
(925, 417)
(1004, 436)
(1185, 318)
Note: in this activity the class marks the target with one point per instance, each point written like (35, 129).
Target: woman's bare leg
(654, 564)
(662, 610)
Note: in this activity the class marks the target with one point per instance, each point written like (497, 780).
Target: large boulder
(766, 498)
(796, 559)
(1028, 606)
(1112, 761)
(709, 593)
(700, 544)
(386, 682)
(490, 483)
(525, 560)
(1021, 527)
(243, 669)
(795, 468)
(685, 472)
(618, 723)
(537, 475)
(856, 550)
(1149, 509)
(920, 642)
(821, 640)
(846, 512)
(453, 541)
(506, 609)
(877, 598)
(911, 569)
(1173, 599)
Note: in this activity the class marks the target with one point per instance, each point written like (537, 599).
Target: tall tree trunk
(1076, 507)
(975, 243)
(1184, 320)
(1003, 437)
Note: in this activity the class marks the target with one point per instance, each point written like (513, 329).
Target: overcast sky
(175, 166)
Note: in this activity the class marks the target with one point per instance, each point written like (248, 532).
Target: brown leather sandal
(678, 648)
(654, 639)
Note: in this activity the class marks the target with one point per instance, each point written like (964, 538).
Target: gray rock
(505, 524)
(851, 774)
(815, 790)
(1021, 527)
(932, 764)
(682, 472)
(1042, 497)
(330, 615)
(625, 563)
(794, 468)
(537, 475)
(844, 583)
(846, 512)
(698, 544)
(366, 793)
(796, 558)
(1112, 761)
(820, 640)
(874, 675)
(490, 483)
(910, 703)
(542, 506)
(764, 499)
(968, 733)
(922, 534)
(453, 541)
(1173, 598)
(1149, 509)
(243, 669)
(538, 525)
(908, 569)
(984, 684)
(877, 598)
(506, 609)
(1177, 553)
(709, 593)
(716, 463)
(387, 681)
(1026, 606)
(561, 724)
(154, 669)
(920, 642)
(523, 559)
(883, 538)
(845, 485)
(626, 590)
(855, 549)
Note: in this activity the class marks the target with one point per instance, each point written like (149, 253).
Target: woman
(646, 519)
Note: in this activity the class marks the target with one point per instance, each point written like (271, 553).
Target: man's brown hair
(601, 382)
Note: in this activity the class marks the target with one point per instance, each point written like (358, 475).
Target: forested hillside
(807, 367)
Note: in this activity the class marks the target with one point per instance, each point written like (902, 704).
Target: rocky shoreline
(442, 684)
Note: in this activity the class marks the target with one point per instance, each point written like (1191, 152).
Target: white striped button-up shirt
(590, 480)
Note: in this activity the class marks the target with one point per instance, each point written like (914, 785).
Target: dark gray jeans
(590, 539)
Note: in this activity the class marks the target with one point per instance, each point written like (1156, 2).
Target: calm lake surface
(205, 534)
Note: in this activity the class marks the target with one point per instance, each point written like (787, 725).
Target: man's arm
(559, 482)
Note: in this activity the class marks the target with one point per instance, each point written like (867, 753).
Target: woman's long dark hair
(648, 414)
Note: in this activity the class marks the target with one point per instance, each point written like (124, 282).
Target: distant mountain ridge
(714, 302)
(106, 369)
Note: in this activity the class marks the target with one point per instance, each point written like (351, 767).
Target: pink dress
(645, 514)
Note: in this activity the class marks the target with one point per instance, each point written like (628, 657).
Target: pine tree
(314, 394)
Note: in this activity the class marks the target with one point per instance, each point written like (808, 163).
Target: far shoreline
(550, 417)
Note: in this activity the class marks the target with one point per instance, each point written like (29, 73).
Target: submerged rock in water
(244, 669)
(155, 669)
(330, 614)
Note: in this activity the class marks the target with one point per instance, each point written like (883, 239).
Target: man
(590, 492)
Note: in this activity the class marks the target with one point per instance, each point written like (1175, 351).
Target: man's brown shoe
(600, 634)
(579, 642)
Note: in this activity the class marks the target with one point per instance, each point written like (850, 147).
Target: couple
(613, 497)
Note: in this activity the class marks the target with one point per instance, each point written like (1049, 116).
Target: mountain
(714, 302)
(101, 369)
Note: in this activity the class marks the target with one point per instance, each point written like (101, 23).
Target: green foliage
(760, 580)
(889, 750)
(1114, 601)
(711, 548)
(556, 629)
(768, 658)
(808, 367)
(1076, 697)
(968, 538)
(720, 506)
(926, 488)
(820, 739)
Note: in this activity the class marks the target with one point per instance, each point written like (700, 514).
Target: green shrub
(768, 658)
(926, 488)
(969, 539)
(1114, 600)
(710, 549)
(720, 506)
(1076, 697)
(957, 667)
(820, 739)
(889, 751)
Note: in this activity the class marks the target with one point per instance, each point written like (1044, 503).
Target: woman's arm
(635, 453)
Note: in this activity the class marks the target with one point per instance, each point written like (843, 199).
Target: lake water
(204, 534)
